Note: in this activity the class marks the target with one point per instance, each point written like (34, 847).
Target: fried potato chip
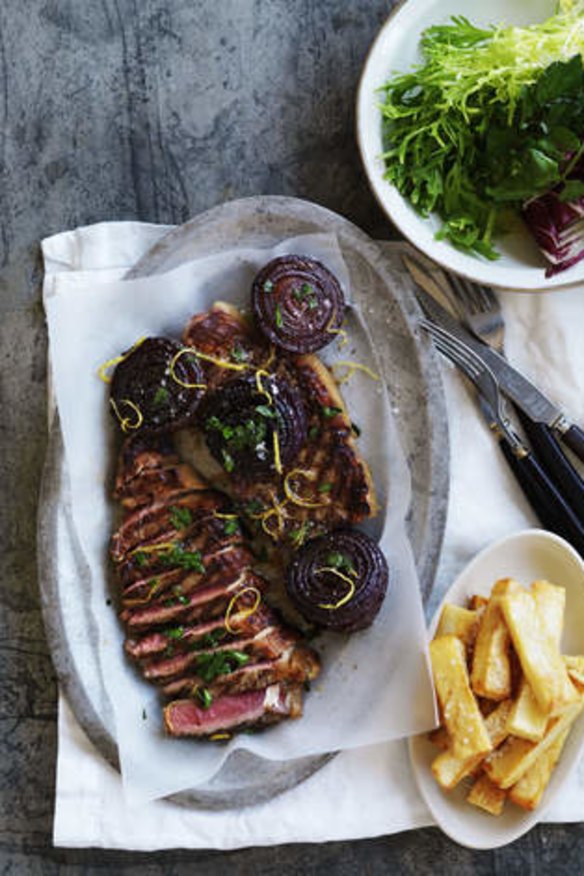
(448, 769)
(539, 655)
(487, 796)
(462, 716)
(509, 763)
(459, 622)
(528, 791)
(491, 666)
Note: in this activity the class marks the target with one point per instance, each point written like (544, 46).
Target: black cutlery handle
(553, 512)
(574, 439)
(557, 465)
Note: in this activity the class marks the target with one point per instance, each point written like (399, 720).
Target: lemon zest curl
(126, 423)
(247, 612)
(333, 606)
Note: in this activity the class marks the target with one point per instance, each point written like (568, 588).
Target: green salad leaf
(492, 118)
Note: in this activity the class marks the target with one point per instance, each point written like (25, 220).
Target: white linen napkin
(368, 791)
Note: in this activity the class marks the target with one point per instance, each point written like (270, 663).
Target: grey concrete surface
(156, 110)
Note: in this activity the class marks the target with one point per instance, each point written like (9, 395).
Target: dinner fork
(548, 503)
(479, 308)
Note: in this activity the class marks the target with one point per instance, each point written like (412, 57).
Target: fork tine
(459, 349)
(468, 361)
(466, 292)
(480, 309)
(450, 351)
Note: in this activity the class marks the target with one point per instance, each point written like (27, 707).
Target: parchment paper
(375, 685)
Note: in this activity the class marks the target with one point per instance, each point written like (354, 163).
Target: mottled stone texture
(156, 110)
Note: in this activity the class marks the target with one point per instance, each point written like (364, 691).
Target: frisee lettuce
(492, 118)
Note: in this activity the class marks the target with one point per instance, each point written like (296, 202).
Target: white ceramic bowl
(525, 556)
(395, 49)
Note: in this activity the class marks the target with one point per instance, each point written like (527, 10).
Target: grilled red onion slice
(339, 580)
(255, 425)
(156, 386)
(297, 303)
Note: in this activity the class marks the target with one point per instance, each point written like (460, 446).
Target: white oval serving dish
(396, 49)
(526, 556)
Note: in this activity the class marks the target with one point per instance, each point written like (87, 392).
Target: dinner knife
(525, 394)
(549, 506)
(548, 503)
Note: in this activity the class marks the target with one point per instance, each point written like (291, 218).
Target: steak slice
(298, 664)
(269, 644)
(181, 559)
(198, 636)
(221, 565)
(195, 550)
(232, 712)
(203, 603)
(171, 517)
(141, 453)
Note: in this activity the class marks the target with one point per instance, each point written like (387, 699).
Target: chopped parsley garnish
(205, 697)
(209, 640)
(141, 558)
(325, 488)
(306, 293)
(265, 411)
(180, 597)
(231, 527)
(337, 560)
(160, 396)
(210, 665)
(180, 518)
(254, 507)
(278, 315)
(239, 354)
(175, 633)
(249, 435)
(330, 412)
(298, 536)
(177, 556)
(313, 432)
(228, 461)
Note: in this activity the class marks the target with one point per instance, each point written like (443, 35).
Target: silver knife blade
(524, 393)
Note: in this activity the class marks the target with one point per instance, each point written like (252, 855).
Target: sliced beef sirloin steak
(195, 611)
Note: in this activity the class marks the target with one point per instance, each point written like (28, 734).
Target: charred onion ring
(339, 580)
(254, 427)
(156, 387)
(297, 303)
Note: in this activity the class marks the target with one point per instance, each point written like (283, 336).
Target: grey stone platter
(383, 291)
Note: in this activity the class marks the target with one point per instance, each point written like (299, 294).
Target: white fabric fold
(368, 791)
